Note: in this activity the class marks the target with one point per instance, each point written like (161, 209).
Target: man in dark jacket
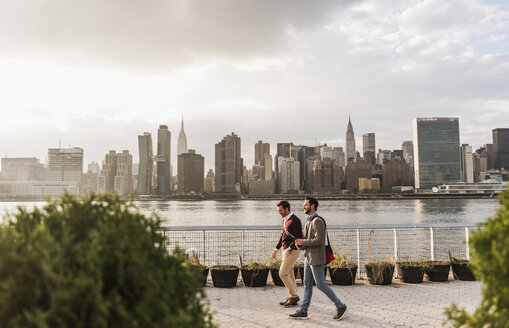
(314, 244)
(291, 230)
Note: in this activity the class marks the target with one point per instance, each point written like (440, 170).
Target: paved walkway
(396, 305)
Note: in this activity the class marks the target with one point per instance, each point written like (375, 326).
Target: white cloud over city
(95, 74)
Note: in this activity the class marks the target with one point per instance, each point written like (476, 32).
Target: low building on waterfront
(488, 187)
(369, 184)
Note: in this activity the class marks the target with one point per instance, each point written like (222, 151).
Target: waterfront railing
(221, 245)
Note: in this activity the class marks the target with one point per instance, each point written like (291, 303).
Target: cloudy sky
(96, 73)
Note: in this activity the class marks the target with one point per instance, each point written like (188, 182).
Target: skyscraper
(501, 148)
(229, 165)
(289, 175)
(190, 172)
(146, 164)
(350, 142)
(368, 148)
(163, 160)
(182, 140)
(123, 183)
(408, 154)
(108, 172)
(437, 158)
(65, 164)
(261, 148)
(467, 164)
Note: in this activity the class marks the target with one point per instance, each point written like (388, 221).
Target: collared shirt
(294, 227)
(312, 216)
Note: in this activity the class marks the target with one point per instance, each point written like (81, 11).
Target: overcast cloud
(96, 73)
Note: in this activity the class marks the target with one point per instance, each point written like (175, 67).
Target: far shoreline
(240, 197)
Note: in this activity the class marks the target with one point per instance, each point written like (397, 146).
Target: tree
(94, 262)
(490, 263)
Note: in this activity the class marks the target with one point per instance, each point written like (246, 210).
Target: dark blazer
(314, 241)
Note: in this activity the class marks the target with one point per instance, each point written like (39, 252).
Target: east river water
(336, 212)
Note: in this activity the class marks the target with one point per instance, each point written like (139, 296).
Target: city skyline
(246, 154)
(259, 68)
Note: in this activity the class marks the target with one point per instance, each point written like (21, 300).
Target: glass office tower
(437, 158)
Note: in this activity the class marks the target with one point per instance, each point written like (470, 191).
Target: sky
(96, 74)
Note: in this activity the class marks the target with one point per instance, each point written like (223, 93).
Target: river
(336, 212)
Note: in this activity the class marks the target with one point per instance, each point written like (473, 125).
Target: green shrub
(490, 263)
(224, 267)
(94, 262)
(341, 261)
(274, 263)
(255, 266)
(406, 263)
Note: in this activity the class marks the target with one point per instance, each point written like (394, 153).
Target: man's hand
(274, 254)
(298, 243)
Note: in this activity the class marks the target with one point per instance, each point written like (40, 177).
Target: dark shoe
(339, 313)
(284, 302)
(292, 301)
(299, 315)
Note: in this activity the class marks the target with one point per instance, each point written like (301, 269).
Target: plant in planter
(411, 271)
(255, 274)
(202, 269)
(437, 270)
(224, 276)
(380, 272)
(193, 263)
(461, 269)
(342, 270)
(274, 265)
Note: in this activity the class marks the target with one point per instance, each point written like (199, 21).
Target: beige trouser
(286, 270)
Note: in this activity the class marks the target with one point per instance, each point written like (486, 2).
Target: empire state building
(182, 140)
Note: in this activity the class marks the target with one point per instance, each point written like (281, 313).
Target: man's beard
(307, 211)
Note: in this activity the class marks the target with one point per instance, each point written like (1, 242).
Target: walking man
(292, 229)
(314, 245)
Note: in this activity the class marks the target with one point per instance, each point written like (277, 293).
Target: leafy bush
(274, 263)
(406, 263)
(341, 261)
(224, 267)
(490, 263)
(94, 262)
(255, 266)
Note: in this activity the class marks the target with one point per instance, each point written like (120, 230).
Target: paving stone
(396, 305)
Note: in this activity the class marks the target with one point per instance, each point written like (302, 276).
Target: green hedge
(490, 262)
(94, 262)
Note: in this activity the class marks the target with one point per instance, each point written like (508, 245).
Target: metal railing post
(431, 244)
(359, 250)
(204, 248)
(396, 249)
(395, 245)
(243, 239)
(467, 243)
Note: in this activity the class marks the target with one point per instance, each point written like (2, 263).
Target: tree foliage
(490, 263)
(94, 262)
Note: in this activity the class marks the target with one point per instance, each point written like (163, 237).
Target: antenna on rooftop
(59, 143)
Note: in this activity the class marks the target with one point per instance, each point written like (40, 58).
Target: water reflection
(336, 212)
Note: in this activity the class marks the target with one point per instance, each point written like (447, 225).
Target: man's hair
(285, 204)
(313, 201)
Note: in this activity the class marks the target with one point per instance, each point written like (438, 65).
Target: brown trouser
(286, 270)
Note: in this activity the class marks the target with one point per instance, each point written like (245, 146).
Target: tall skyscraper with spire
(350, 142)
(182, 140)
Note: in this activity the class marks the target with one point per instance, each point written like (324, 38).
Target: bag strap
(286, 230)
(328, 241)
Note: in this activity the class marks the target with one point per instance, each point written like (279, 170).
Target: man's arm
(295, 228)
(278, 246)
(318, 237)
